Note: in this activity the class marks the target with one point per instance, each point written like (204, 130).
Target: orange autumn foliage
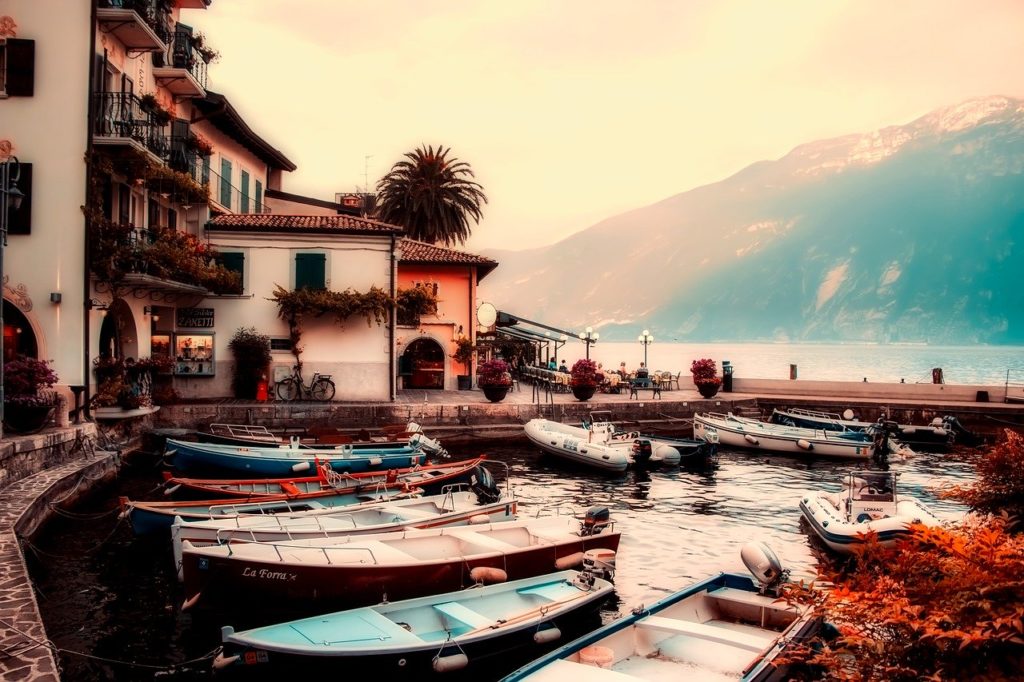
(1000, 485)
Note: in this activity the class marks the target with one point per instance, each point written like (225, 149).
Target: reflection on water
(108, 593)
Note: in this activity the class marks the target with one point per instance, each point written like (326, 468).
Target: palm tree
(431, 196)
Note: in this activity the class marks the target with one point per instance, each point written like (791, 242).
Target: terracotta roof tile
(269, 222)
(421, 252)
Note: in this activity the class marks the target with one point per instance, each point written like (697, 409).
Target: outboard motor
(960, 434)
(598, 563)
(642, 451)
(595, 521)
(429, 446)
(765, 566)
(482, 483)
(413, 427)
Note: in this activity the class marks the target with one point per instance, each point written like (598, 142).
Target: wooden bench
(634, 390)
(460, 613)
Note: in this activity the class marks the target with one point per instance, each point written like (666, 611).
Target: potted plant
(705, 377)
(495, 378)
(584, 379)
(27, 406)
(464, 355)
(252, 357)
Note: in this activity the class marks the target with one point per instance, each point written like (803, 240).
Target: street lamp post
(647, 340)
(589, 337)
(10, 200)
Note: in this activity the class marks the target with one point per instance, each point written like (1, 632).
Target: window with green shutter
(245, 192)
(225, 183)
(206, 172)
(259, 197)
(235, 261)
(310, 271)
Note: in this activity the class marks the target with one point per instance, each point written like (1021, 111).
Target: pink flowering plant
(584, 374)
(494, 373)
(704, 372)
(26, 378)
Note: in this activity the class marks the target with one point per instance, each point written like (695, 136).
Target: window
(20, 221)
(259, 197)
(225, 183)
(17, 67)
(245, 192)
(206, 172)
(172, 219)
(154, 213)
(124, 206)
(310, 271)
(235, 261)
(280, 345)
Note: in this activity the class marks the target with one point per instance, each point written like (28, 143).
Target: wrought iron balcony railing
(156, 17)
(120, 114)
(182, 53)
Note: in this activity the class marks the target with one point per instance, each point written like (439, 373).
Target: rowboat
(430, 478)
(360, 570)
(261, 436)
(867, 506)
(438, 633)
(286, 461)
(728, 429)
(153, 517)
(454, 508)
(722, 628)
(939, 435)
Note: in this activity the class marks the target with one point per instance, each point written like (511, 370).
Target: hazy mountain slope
(910, 233)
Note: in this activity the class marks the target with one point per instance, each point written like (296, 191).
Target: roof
(305, 224)
(422, 253)
(216, 109)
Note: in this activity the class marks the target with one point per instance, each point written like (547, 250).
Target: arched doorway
(118, 336)
(422, 364)
(19, 339)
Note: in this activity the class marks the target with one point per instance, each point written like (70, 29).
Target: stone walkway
(24, 506)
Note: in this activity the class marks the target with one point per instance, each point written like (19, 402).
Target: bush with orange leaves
(1000, 485)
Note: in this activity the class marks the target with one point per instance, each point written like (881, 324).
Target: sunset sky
(571, 112)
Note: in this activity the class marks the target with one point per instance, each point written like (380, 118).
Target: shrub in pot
(27, 403)
(584, 379)
(704, 377)
(251, 351)
(463, 355)
(494, 378)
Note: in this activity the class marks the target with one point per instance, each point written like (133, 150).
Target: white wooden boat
(722, 628)
(455, 508)
(938, 435)
(868, 504)
(740, 432)
(439, 633)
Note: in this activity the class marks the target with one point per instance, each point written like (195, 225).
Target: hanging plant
(417, 301)
(208, 54)
(157, 113)
(199, 144)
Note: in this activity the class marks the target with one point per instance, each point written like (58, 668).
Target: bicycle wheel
(322, 390)
(287, 390)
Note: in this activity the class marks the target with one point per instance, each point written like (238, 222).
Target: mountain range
(905, 234)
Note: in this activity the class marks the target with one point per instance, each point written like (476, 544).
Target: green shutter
(206, 172)
(259, 197)
(245, 192)
(310, 271)
(225, 183)
(235, 261)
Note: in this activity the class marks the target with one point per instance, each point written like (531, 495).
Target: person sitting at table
(623, 374)
(552, 364)
(562, 367)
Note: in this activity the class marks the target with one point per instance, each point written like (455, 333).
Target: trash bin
(981, 396)
(726, 376)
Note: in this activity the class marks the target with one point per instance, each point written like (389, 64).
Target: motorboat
(868, 505)
(359, 570)
(453, 508)
(727, 627)
(576, 445)
(740, 432)
(938, 435)
(260, 436)
(437, 633)
(645, 449)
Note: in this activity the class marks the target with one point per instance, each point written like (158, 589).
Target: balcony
(138, 24)
(181, 68)
(121, 121)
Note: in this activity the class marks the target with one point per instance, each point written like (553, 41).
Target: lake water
(985, 365)
(107, 593)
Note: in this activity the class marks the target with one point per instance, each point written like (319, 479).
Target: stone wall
(22, 456)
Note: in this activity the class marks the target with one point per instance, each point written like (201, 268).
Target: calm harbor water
(986, 365)
(104, 592)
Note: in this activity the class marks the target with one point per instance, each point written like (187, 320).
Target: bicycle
(320, 388)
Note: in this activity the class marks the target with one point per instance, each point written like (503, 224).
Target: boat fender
(750, 439)
(666, 454)
(301, 466)
(569, 561)
(599, 656)
(805, 444)
(173, 489)
(479, 519)
(223, 661)
(444, 664)
(191, 601)
(547, 635)
(488, 575)
(376, 461)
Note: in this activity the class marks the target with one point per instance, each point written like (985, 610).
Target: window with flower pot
(235, 262)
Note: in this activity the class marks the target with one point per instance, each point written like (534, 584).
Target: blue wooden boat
(287, 461)
(439, 633)
(725, 627)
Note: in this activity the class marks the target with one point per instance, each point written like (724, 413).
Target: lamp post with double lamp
(10, 200)
(589, 337)
(647, 340)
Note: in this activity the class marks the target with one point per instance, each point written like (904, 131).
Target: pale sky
(571, 112)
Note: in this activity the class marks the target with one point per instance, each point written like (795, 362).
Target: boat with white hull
(868, 504)
(939, 435)
(740, 432)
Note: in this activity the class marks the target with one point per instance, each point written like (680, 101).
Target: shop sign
(195, 318)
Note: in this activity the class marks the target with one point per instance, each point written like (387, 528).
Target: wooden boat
(152, 517)
(261, 436)
(286, 461)
(939, 435)
(722, 628)
(439, 633)
(429, 478)
(359, 570)
(454, 508)
(751, 434)
(868, 504)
